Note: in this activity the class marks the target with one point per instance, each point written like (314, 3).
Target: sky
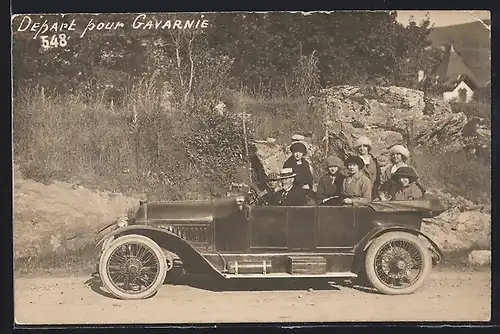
(442, 18)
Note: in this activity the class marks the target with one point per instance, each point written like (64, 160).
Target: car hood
(188, 211)
(430, 206)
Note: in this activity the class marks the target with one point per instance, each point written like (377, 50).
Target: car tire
(380, 273)
(151, 247)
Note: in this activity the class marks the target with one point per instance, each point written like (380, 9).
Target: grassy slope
(56, 224)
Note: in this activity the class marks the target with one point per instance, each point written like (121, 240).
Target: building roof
(453, 69)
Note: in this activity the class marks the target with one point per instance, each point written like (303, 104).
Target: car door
(268, 228)
(301, 229)
(335, 227)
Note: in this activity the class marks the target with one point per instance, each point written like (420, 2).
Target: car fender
(191, 259)
(363, 245)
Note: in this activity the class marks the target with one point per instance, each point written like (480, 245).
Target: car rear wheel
(397, 263)
(133, 267)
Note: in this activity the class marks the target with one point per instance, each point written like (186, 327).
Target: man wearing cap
(330, 184)
(357, 187)
(399, 156)
(290, 194)
(405, 188)
(270, 195)
(363, 146)
(300, 166)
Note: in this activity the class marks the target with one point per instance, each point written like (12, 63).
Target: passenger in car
(405, 187)
(270, 195)
(330, 184)
(399, 156)
(357, 187)
(363, 146)
(290, 194)
(300, 166)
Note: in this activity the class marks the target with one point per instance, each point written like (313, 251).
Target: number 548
(54, 41)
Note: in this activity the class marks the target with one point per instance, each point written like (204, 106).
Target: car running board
(346, 274)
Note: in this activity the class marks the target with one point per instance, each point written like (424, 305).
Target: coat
(372, 170)
(296, 196)
(386, 181)
(358, 187)
(411, 192)
(271, 197)
(303, 171)
(329, 185)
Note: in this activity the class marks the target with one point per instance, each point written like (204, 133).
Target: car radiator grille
(197, 235)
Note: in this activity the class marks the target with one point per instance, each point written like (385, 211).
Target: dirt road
(448, 295)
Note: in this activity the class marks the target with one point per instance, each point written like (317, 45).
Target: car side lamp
(240, 200)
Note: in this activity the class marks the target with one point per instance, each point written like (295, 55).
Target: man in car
(270, 195)
(357, 187)
(290, 194)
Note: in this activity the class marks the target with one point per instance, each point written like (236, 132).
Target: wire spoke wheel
(397, 263)
(133, 267)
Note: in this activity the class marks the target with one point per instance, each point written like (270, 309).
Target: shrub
(473, 109)
(457, 173)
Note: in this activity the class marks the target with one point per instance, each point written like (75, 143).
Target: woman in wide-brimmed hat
(399, 156)
(357, 187)
(363, 146)
(405, 185)
(300, 165)
(330, 184)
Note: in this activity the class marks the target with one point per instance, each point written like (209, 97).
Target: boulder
(388, 116)
(479, 258)
(456, 231)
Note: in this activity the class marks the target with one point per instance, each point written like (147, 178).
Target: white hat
(401, 150)
(286, 173)
(363, 141)
(298, 137)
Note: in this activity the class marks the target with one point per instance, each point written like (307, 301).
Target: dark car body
(225, 238)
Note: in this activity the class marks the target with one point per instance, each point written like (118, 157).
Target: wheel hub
(133, 266)
(401, 265)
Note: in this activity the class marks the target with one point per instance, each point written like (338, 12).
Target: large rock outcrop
(455, 231)
(389, 116)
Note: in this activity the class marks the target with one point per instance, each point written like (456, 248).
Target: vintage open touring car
(233, 237)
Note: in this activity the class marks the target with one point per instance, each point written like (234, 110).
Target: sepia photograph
(251, 167)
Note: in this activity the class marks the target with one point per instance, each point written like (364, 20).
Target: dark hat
(298, 147)
(356, 160)
(273, 177)
(287, 173)
(408, 172)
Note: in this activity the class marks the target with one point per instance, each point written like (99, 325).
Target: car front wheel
(397, 263)
(133, 267)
